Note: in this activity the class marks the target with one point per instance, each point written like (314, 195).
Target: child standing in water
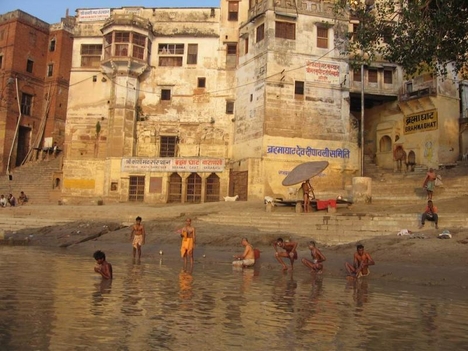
(137, 237)
(102, 267)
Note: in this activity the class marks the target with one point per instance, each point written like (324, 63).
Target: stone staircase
(35, 179)
(344, 226)
(391, 187)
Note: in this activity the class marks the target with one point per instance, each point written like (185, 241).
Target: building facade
(35, 62)
(193, 104)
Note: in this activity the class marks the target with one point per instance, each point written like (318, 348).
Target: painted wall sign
(323, 72)
(308, 151)
(93, 15)
(421, 122)
(198, 165)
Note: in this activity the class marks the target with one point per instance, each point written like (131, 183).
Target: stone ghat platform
(346, 225)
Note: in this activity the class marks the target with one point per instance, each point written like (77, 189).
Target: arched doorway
(194, 185)
(385, 144)
(212, 188)
(411, 160)
(175, 188)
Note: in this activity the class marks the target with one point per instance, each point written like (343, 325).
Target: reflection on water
(54, 301)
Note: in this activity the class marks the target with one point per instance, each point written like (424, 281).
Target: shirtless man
(290, 252)
(307, 190)
(315, 264)
(247, 259)
(137, 237)
(102, 267)
(429, 183)
(362, 261)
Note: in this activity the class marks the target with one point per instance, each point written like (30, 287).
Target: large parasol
(304, 171)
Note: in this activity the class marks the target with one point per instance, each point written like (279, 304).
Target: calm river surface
(52, 300)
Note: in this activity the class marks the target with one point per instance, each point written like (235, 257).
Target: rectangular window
(409, 87)
(298, 88)
(388, 76)
(201, 82)
(285, 30)
(29, 66)
(170, 61)
(166, 94)
(357, 75)
(121, 47)
(1, 61)
(260, 32)
(26, 104)
(139, 42)
(171, 49)
(246, 45)
(168, 146)
(167, 52)
(50, 70)
(229, 107)
(192, 54)
(372, 76)
(91, 55)
(231, 48)
(52, 45)
(322, 37)
(233, 12)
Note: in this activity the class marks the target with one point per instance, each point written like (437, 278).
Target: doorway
(24, 139)
(238, 184)
(194, 185)
(175, 188)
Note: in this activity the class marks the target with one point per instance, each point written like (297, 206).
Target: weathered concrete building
(35, 62)
(193, 104)
(151, 104)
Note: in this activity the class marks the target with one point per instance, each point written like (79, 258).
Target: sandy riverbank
(412, 260)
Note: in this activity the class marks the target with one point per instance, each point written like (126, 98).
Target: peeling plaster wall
(131, 114)
(268, 113)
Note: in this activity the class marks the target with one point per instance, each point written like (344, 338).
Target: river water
(52, 300)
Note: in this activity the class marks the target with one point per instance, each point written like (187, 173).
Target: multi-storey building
(35, 62)
(192, 104)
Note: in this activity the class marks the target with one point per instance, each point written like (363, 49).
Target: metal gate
(175, 188)
(194, 185)
(238, 184)
(212, 188)
(136, 190)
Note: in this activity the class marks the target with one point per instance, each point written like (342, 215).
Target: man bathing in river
(362, 261)
(247, 259)
(137, 237)
(102, 267)
(290, 252)
(316, 264)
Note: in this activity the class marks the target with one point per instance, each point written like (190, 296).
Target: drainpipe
(17, 126)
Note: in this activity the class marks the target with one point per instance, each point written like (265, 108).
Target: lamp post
(362, 120)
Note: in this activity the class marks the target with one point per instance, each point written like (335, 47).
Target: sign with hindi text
(421, 122)
(195, 165)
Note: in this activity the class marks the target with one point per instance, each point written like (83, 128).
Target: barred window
(167, 147)
(372, 76)
(192, 54)
(388, 76)
(233, 10)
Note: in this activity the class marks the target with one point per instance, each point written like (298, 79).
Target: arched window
(385, 144)
(194, 184)
(175, 188)
(212, 188)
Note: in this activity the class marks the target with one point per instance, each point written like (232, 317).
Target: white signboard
(323, 72)
(198, 165)
(93, 15)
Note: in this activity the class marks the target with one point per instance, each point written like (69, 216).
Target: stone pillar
(362, 190)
